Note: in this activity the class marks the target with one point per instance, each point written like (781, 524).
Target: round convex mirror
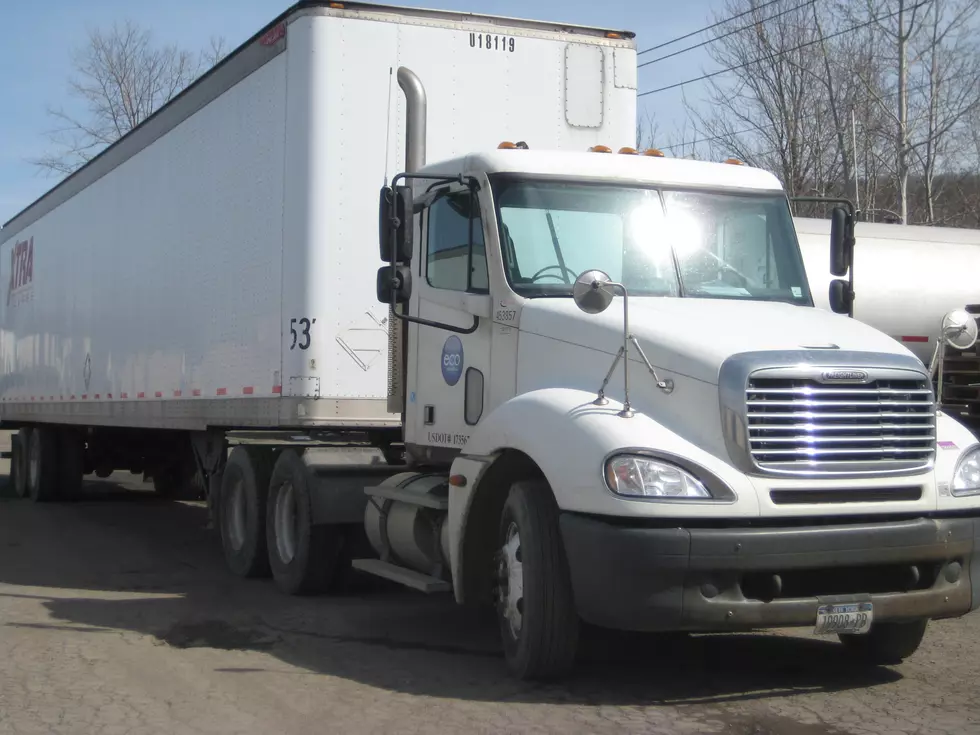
(960, 329)
(591, 291)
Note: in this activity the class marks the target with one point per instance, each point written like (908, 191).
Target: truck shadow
(123, 560)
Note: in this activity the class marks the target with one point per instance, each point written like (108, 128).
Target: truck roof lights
(733, 162)
(600, 149)
(627, 151)
(508, 146)
(655, 152)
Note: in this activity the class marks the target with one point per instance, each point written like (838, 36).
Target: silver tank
(905, 277)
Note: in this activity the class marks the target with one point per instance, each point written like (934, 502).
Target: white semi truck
(906, 278)
(586, 411)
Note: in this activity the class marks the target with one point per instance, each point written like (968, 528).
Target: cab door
(447, 392)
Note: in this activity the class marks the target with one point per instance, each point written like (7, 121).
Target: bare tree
(771, 111)
(877, 100)
(121, 78)
(951, 95)
(647, 131)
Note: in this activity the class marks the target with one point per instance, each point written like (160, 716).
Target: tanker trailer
(906, 278)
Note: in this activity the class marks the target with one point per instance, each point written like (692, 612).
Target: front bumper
(720, 579)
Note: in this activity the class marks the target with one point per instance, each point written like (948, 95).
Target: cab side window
(456, 257)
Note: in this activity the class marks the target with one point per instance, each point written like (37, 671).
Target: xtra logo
(21, 272)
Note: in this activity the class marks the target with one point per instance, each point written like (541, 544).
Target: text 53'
(300, 331)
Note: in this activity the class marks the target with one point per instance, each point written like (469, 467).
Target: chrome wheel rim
(510, 591)
(33, 461)
(235, 514)
(284, 522)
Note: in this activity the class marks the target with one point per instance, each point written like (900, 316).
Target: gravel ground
(117, 616)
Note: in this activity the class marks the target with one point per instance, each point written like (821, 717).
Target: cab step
(402, 575)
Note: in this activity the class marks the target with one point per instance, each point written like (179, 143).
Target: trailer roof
(458, 16)
(250, 55)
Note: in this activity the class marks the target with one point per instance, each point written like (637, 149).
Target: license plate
(848, 617)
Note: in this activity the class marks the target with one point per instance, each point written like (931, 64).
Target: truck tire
(241, 511)
(305, 559)
(71, 464)
(539, 625)
(42, 465)
(20, 446)
(886, 644)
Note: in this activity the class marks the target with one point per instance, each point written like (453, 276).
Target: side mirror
(395, 210)
(959, 329)
(841, 241)
(841, 297)
(397, 280)
(590, 292)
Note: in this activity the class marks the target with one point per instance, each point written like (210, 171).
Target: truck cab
(644, 419)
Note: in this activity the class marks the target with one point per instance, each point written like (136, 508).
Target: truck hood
(693, 337)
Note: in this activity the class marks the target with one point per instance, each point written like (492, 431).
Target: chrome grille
(802, 425)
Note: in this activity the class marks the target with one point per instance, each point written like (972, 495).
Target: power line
(781, 53)
(707, 28)
(768, 126)
(725, 35)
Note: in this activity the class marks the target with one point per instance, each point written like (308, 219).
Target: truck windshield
(656, 242)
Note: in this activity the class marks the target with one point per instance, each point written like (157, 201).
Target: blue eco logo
(452, 360)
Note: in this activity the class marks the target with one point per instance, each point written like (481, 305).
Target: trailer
(907, 277)
(394, 290)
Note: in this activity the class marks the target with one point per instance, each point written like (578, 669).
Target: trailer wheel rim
(284, 518)
(236, 516)
(33, 461)
(511, 586)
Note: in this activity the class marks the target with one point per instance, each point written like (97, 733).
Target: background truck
(592, 384)
(906, 279)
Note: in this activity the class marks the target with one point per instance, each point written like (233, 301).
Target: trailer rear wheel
(242, 509)
(539, 625)
(42, 465)
(305, 558)
(886, 644)
(20, 446)
(71, 464)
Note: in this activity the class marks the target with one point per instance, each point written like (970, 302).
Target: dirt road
(117, 616)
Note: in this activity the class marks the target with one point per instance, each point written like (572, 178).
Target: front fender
(569, 438)
(953, 440)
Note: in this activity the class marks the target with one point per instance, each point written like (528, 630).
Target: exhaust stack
(415, 117)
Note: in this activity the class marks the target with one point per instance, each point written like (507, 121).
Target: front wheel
(539, 625)
(886, 643)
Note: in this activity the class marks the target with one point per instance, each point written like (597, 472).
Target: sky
(35, 57)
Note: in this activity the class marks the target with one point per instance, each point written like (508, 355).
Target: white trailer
(206, 283)
(906, 278)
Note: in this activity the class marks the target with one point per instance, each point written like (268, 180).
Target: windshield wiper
(554, 241)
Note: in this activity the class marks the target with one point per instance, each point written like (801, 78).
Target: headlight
(966, 479)
(643, 477)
